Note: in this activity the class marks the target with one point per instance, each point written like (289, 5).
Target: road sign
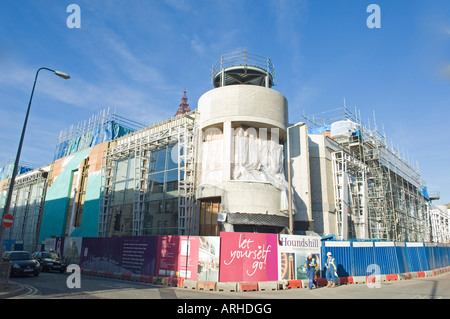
(7, 221)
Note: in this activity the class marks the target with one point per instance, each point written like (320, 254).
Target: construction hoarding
(292, 254)
(177, 256)
(248, 257)
(241, 257)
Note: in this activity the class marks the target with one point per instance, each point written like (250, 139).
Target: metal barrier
(364, 255)
(342, 252)
(413, 254)
(400, 251)
(386, 257)
(353, 258)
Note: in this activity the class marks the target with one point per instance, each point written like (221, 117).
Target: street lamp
(16, 163)
(291, 217)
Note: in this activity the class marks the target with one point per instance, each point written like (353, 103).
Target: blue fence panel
(353, 258)
(446, 258)
(423, 258)
(363, 256)
(441, 255)
(437, 257)
(430, 251)
(412, 254)
(400, 250)
(444, 255)
(341, 251)
(386, 257)
(443, 252)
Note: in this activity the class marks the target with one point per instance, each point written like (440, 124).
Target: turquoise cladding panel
(89, 219)
(57, 200)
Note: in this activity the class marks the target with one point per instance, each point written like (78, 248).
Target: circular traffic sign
(7, 221)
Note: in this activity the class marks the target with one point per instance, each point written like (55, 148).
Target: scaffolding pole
(139, 146)
(381, 197)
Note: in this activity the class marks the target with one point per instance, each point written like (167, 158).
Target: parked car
(23, 263)
(50, 261)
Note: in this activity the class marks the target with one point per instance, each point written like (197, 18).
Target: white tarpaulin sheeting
(254, 159)
(345, 127)
(212, 157)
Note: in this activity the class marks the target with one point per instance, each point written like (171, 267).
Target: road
(53, 286)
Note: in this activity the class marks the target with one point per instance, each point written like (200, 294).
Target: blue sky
(138, 56)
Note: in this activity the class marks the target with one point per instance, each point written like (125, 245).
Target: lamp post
(16, 163)
(291, 217)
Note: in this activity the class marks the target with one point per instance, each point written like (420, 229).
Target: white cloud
(182, 5)
(198, 45)
(445, 72)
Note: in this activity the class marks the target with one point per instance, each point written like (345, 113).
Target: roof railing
(244, 58)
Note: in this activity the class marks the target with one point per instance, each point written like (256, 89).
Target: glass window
(121, 169)
(20, 256)
(172, 182)
(159, 162)
(161, 212)
(156, 183)
(172, 158)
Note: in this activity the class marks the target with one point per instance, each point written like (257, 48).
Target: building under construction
(234, 163)
(377, 193)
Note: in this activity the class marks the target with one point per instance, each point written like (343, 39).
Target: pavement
(12, 289)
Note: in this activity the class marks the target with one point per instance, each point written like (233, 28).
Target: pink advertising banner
(177, 256)
(248, 257)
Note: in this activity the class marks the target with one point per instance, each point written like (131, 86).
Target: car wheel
(36, 274)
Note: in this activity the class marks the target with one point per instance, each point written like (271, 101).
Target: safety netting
(108, 131)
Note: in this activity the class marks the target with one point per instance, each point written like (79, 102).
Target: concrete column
(300, 173)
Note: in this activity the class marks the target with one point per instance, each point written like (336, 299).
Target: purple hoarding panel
(135, 255)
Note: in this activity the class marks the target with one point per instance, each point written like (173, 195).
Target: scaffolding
(188, 211)
(378, 193)
(7, 168)
(350, 193)
(26, 206)
(101, 127)
(139, 146)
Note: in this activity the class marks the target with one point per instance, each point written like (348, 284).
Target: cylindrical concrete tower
(243, 125)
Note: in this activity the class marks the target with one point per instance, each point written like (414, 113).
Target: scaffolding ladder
(141, 167)
(187, 222)
(106, 194)
(349, 180)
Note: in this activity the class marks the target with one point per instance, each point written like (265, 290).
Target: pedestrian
(331, 273)
(310, 267)
(317, 273)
